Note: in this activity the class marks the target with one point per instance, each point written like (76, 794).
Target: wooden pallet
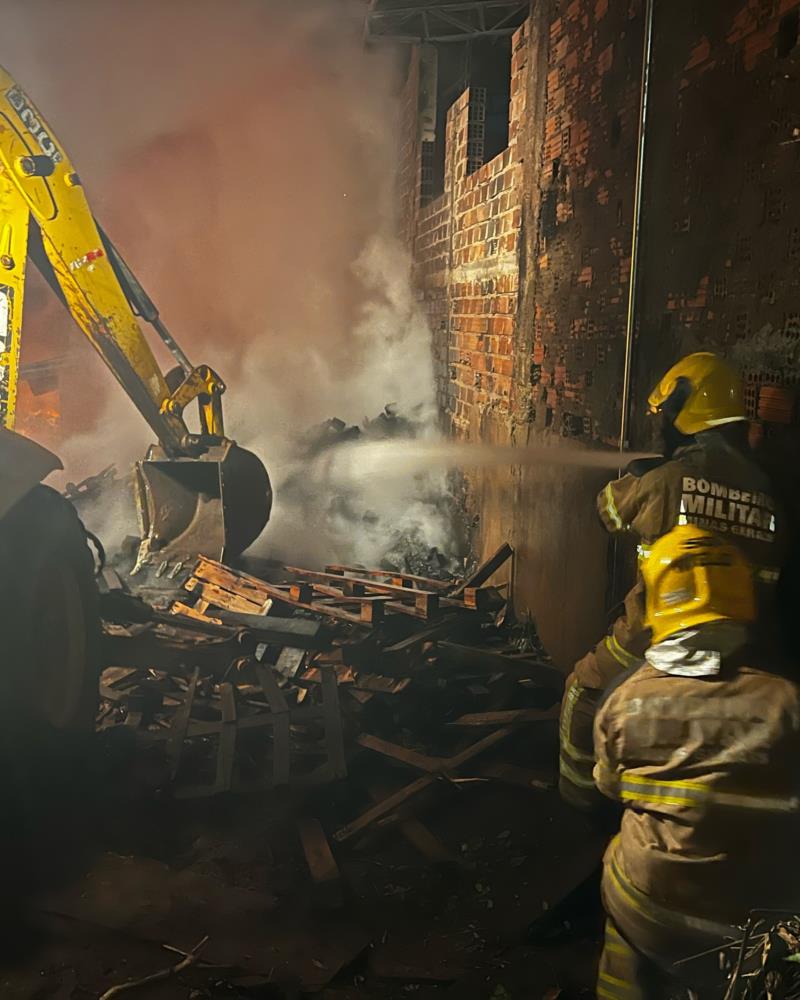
(234, 702)
(363, 599)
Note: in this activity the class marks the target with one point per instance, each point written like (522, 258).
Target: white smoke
(243, 157)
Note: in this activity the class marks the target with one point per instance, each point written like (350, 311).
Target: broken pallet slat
(486, 570)
(279, 709)
(332, 717)
(420, 761)
(389, 805)
(482, 598)
(197, 613)
(227, 739)
(425, 601)
(430, 634)
(519, 777)
(406, 579)
(226, 599)
(371, 606)
(415, 831)
(180, 727)
(303, 633)
(381, 685)
(235, 581)
(329, 611)
(508, 717)
(290, 660)
(319, 857)
(485, 661)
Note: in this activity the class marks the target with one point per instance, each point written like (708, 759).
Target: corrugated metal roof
(444, 20)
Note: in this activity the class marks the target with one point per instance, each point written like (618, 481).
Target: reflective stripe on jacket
(621, 650)
(576, 754)
(708, 483)
(709, 772)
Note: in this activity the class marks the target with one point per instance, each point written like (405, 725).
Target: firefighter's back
(709, 768)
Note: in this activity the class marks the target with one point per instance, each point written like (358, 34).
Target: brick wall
(467, 262)
(524, 264)
(721, 241)
(587, 182)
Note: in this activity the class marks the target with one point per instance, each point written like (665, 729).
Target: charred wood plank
(283, 594)
(425, 601)
(320, 860)
(226, 755)
(279, 710)
(222, 598)
(519, 777)
(242, 584)
(400, 798)
(415, 832)
(197, 612)
(399, 579)
(304, 633)
(487, 661)
(509, 717)
(420, 761)
(332, 716)
(180, 727)
(486, 570)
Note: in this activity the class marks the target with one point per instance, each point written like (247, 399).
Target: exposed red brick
(700, 53)
(605, 60)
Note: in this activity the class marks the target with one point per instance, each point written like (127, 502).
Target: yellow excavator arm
(45, 214)
(45, 218)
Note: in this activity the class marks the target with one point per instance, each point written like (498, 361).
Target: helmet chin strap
(670, 438)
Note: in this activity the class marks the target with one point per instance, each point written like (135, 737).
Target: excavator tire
(49, 623)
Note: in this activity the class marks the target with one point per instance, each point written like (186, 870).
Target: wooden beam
(180, 726)
(487, 661)
(226, 599)
(425, 601)
(509, 717)
(389, 805)
(486, 570)
(332, 715)
(416, 833)
(426, 583)
(243, 584)
(320, 860)
(279, 710)
(226, 754)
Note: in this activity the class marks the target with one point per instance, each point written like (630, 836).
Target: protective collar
(697, 652)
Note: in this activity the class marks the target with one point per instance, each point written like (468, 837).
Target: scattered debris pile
(243, 683)
(399, 731)
(416, 533)
(765, 962)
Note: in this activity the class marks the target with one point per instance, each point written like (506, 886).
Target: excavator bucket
(214, 505)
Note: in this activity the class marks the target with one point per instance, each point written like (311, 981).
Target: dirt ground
(105, 873)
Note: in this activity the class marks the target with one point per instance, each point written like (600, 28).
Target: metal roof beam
(445, 22)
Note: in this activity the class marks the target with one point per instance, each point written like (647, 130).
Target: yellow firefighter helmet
(700, 392)
(693, 577)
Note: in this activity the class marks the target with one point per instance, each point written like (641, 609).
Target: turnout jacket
(708, 483)
(708, 772)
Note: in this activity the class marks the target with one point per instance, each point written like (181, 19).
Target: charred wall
(524, 262)
(721, 242)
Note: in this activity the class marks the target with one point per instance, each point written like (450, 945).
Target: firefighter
(706, 476)
(701, 747)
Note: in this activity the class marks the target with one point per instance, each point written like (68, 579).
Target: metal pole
(630, 325)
